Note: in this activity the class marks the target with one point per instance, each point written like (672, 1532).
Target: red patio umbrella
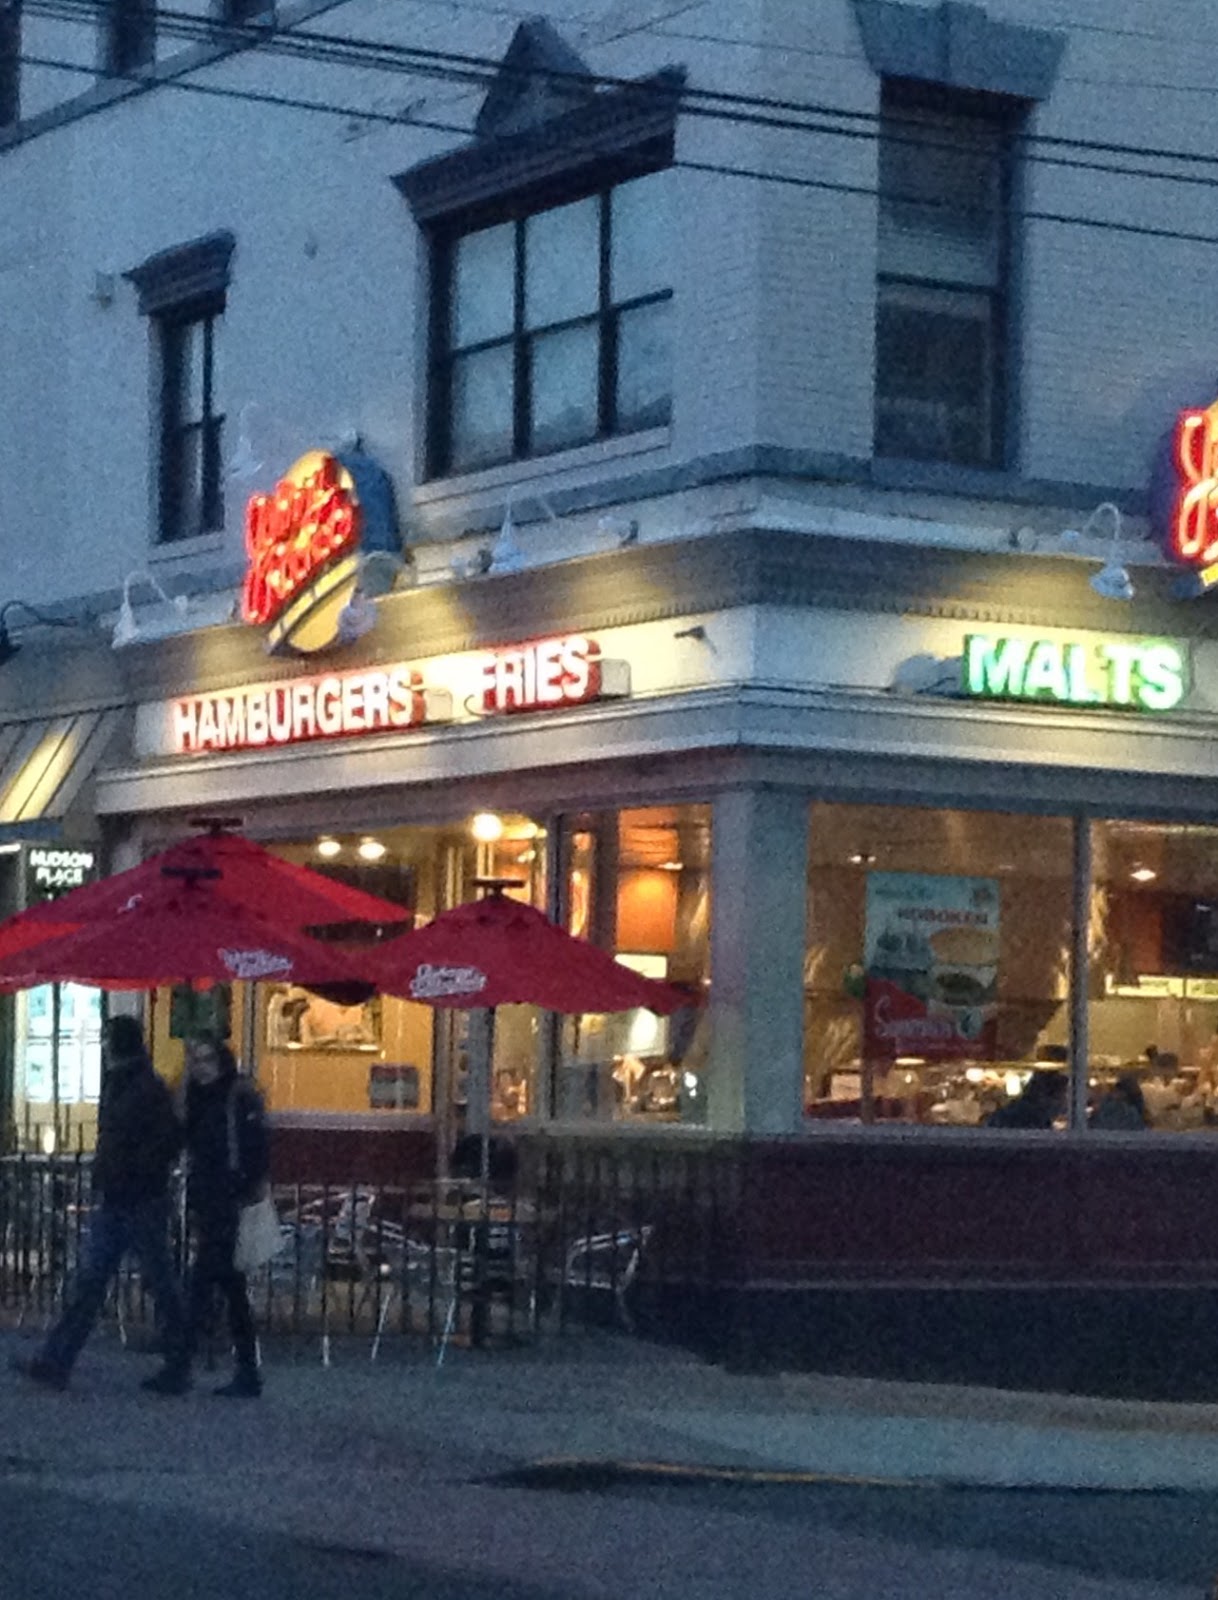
(498, 951)
(237, 869)
(180, 931)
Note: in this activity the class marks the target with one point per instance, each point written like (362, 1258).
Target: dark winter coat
(138, 1137)
(215, 1190)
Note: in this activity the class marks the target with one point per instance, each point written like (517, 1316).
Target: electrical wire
(791, 180)
(339, 49)
(203, 28)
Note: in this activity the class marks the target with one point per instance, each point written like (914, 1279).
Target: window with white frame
(942, 280)
(551, 327)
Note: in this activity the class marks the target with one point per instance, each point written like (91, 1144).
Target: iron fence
(571, 1237)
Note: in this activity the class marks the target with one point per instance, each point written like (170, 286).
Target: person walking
(138, 1139)
(228, 1162)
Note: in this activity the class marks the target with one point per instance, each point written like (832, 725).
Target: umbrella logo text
(253, 964)
(431, 983)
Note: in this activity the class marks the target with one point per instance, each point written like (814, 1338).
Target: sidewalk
(399, 1456)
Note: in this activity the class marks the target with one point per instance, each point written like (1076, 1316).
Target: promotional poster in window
(931, 961)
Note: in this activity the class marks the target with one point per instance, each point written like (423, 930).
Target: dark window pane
(483, 286)
(192, 357)
(10, 61)
(182, 467)
(644, 366)
(934, 375)
(565, 387)
(131, 41)
(211, 499)
(481, 417)
(562, 263)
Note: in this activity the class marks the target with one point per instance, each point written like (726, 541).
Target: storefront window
(637, 883)
(57, 1067)
(936, 973)
(326, 1052)
(1152, 1016)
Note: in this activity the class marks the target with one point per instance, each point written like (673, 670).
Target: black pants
(213, 1269)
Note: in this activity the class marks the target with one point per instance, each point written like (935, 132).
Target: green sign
(1133, 674)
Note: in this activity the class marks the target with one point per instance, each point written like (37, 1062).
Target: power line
(201, 28)
(339, 49)
(790, 180)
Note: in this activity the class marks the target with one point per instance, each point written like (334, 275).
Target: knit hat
(124, 1037)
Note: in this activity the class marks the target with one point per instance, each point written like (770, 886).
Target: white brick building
(773, 348)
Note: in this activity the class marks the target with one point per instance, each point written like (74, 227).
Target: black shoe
(243, 1386)
(41, 1371)
(169, 1380)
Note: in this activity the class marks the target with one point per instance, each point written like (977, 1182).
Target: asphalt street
(1161, 1536)
(56, 1544)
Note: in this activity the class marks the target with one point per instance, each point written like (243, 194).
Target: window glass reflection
(562, 263)
(936, 973)
(1153, 991)
(638, 883)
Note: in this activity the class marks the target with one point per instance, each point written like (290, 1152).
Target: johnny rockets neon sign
(539, 676)
(301, 543)
(1193, 533)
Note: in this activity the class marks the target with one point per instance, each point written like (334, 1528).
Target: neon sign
(1193, 534)
(549, 673)
(1136, 675)
(379, 700)
(393, 697)
(302, 543)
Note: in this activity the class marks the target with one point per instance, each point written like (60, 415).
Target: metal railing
(576, 1237)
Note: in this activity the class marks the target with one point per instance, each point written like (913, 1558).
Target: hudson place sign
(542, 675)
(1125, 674)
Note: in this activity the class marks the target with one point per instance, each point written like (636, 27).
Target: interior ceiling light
(1143, 874)
(329, 848)
(672, 866)
(487, 827)
(370, 849)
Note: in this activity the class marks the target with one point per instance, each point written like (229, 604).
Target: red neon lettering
(537, 676)
(291, 533)
(1194, 531)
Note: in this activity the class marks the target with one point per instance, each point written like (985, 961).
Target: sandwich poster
(931, 961)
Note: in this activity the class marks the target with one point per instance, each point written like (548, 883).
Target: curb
(575, 1474)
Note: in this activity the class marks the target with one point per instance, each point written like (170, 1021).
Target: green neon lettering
(1046, 673)
(1159, 677)
(1082, 692)
(994, 666)
(1121, 661)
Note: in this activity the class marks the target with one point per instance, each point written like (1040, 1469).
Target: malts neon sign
(302, 544)
(1137, 675)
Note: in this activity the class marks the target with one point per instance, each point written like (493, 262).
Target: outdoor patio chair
(605, 1263)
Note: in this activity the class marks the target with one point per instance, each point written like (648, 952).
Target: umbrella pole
(55, 1012)
(485, 1153)
(249, 1028)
